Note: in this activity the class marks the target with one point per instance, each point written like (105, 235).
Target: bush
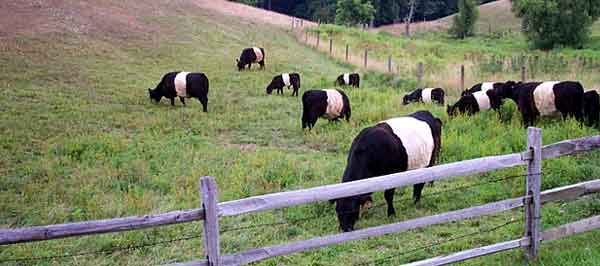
(464, 22)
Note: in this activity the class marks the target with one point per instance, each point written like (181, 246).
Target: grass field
(81, 141)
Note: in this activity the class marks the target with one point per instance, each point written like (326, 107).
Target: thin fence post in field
(318, 39)
(523, 76)
(292, 23)
(330, 45)
(209, 196)
(462, 77)
(306, 36)
(347, 52)
(534, 180)
(390, 63)
(419, 73)
(302, 23)
(365, 57)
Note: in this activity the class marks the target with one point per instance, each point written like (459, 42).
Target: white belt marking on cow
(258, 53)
(486, 86)
(426, 95)
(543, 97)
(181, 84)
(346, 78)
(482, 100)
(417, 139)
(335, 103)
(286, 79)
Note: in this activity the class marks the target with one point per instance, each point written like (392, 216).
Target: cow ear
(237, 60)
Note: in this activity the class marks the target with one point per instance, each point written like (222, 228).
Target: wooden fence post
(462, 77)
(330, 45)
(534, 180)
(365, 57)
(318, 39)
(390, 63)
(209, 196)
(419, 73)
(346, 52)
(523, 77)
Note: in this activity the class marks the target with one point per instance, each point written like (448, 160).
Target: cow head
(507, 90)
(270, 88)
(348, 210)
(154, 95)
(450, 110)
(239, 64)
(406, 100)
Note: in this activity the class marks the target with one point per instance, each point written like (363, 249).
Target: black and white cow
(548, 98)
(348, 79)
(250, 56)
(475, 102)
(591, 108)
(182, 85)
(330, 104)
(285, 80)
(392, 146)
(426, 95)
(486, 86)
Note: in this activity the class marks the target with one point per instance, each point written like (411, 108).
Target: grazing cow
(392, 146)
(591, 108)
(250, 56)
(426, 95)
(485, 86)
(182, 85)
(330, 104)
(348, 79)
(546, 99)
(285, 80)
(475, 102)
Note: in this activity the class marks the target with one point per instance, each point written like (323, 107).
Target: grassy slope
(71, 150)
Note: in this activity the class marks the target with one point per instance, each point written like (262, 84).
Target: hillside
(81, 140)
(496, 16)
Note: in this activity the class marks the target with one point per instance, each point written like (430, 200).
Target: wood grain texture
(534, 184)
(573, 228)
(38, 233)
(209, 194)
(472, 253)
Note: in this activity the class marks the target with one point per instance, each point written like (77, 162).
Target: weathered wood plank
(580, 226)
(209, 194)
(46, 232)
(534, 183)
(334, 191)
(472, 253)
(570, 147)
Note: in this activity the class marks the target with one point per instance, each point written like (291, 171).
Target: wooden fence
(211, 209)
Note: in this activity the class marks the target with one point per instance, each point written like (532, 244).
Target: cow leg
(204, 102)
(172, 101)
(182, 99)
(262, 64)
(417, 189)
(389, 198)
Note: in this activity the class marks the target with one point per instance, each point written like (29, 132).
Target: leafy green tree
(551, 23)
(354, 12)
(464, 22)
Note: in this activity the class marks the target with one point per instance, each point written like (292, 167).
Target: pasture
(81, 141)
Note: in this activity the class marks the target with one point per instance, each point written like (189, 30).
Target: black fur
(467, 104)
(314, 105)
(354, 79)
(277, 84)
(591, 108)
(437, 96)
(568, 99)
(247, 58)
(377, 151)
(477, 87)
(196, 87)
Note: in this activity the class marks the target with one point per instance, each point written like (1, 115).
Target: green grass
(81, 141)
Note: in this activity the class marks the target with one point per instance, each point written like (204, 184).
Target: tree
(551, 23)
(464, 22)
(354, 12)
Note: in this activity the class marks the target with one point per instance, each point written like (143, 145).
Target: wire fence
(127, 248)
(320, 216)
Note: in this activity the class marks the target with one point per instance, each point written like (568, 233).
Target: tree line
(385, 11)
